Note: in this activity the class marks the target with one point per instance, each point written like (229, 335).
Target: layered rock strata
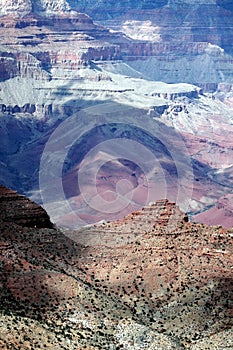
(18, 209)
(55, 61)
(168, 287)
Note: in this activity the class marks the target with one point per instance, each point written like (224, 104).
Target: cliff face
(19, 210)
(33, 45)
(18, 7)
(50, 6)
(179, 39)
(180, 35)
(151, 278)
(105, 9)
(21, 8)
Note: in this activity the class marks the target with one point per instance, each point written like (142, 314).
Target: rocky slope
(151, 280)
(221, 212)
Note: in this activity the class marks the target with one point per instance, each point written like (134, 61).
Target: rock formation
(15, 7)
(21, 8)
(175, 20)
(50, 6)
(152, 280)
(19, 210)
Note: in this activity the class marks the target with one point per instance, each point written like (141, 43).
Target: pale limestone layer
(51, 6)
(20, 7)
(24, 7)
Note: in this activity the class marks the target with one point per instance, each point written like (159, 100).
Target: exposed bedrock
(151, 278)
(18, 209)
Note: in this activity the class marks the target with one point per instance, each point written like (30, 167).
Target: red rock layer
(173, 277)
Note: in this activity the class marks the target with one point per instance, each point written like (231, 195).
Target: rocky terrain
(105, 108)
(182, 41)
(152, 280)
(167, 62)
(223, 209)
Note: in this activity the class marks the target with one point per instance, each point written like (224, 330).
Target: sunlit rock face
(50, 6)
(15, 7)
(24, 7)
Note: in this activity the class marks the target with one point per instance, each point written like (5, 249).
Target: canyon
(116, 122)
(151, 279)
(57, 63)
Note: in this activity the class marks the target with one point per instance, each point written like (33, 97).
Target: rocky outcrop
(168, 287)
(50, 6)
(15, 7)
(20, 8)
(22, 65)
(174, 95)
(8, 66)
(167, 270)
(18, 209)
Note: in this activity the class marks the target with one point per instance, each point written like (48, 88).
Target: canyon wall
(55, 62)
